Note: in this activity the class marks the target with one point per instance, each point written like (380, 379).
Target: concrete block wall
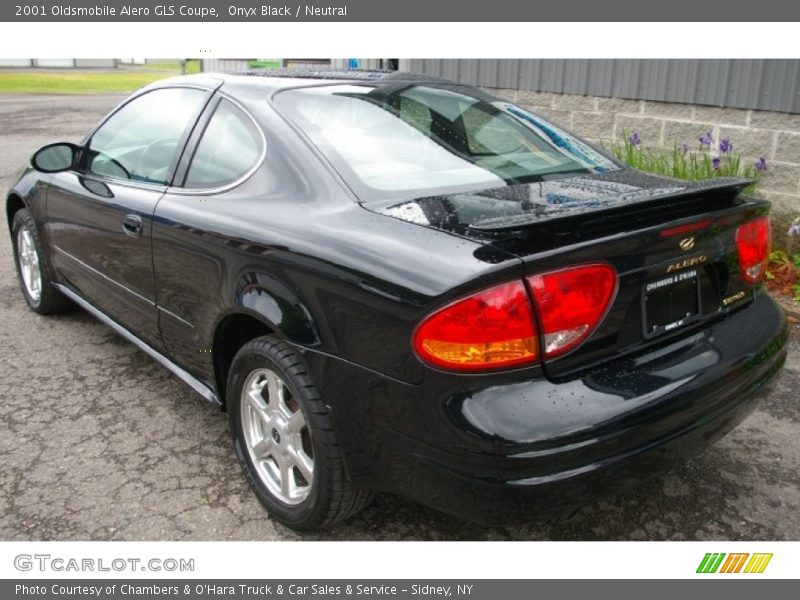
(773, 135)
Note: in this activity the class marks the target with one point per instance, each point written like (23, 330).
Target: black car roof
(273, 79)
(336, 74)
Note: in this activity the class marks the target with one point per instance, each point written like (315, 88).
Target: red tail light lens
(571, 304)
(753, 243)
(492, 329)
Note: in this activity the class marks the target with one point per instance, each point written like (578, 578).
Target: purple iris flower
(706, 140)
(715, 163)
(684, 148)
(725, 145)
(761, 164)
(635, 139)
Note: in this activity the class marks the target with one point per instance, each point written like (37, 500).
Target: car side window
(230, 147)
(140, 142)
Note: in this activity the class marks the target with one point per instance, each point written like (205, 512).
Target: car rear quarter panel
(343, 282)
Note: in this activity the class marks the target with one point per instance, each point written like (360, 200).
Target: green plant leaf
(778, 256)
(692, 166)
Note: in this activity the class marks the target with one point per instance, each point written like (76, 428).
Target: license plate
(671, 302)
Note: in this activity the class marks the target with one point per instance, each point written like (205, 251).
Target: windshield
(397, 139)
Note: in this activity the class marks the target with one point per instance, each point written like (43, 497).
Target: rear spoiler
(560, 208)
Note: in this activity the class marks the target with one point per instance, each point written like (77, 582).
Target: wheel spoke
(275, 390)
(255, 397)
(296, 422)
(255, 400)
(304, 464)
(256, 404)
(287, 478)
(272, 470)
(258, 384)
(262, 449)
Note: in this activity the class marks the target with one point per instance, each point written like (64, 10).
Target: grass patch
(89, 82)
(192, 66)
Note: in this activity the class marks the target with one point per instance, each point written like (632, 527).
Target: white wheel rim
(277, 438)
(29, 263)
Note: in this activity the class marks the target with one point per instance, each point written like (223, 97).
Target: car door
(99, 216)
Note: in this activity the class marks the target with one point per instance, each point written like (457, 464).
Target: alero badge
(685, 264)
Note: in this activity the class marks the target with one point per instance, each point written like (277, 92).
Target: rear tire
(284, 438)
(33, 274)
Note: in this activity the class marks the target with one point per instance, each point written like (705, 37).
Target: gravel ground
(99, 442)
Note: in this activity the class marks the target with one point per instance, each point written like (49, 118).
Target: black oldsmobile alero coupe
(406, 285)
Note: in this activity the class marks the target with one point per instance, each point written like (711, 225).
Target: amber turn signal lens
(496, 329)
(491, 329)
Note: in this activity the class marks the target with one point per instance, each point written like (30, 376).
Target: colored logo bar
(735, 562)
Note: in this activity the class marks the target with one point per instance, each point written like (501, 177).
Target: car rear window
(398, 139)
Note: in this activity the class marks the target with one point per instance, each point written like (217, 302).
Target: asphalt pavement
(100, 442)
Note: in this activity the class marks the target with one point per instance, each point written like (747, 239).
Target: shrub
(783, 275)
(707, 160)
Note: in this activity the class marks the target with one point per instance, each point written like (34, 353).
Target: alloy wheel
(29, 263)
(277, 437)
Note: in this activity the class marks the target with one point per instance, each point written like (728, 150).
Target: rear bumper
(499, 450)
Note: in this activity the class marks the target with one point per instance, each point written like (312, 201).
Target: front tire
(284, 438)
(33, 274)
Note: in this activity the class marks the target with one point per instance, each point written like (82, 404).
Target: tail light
(495, 328)
(488, 330)
(571, 304)
(684, 229)
(753, 244)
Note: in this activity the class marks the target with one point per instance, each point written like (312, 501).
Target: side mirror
(55, 158)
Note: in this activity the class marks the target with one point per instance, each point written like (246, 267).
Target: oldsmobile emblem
(687, 244)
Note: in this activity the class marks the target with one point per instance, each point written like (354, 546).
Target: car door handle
(132, 225)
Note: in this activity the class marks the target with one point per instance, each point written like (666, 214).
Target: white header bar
(401, 40)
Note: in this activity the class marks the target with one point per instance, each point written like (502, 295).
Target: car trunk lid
(671, 242)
